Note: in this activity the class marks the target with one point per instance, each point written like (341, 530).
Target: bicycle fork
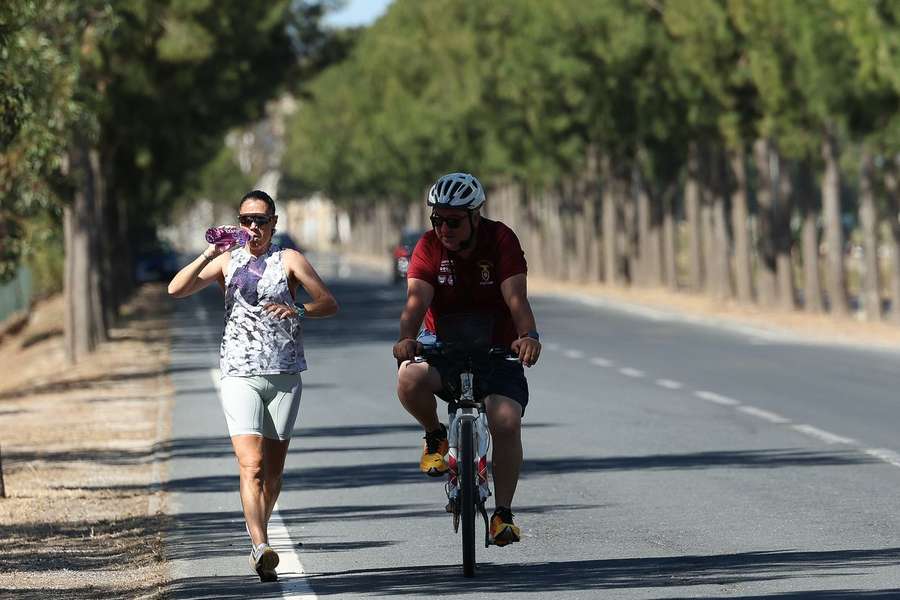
(481, 445)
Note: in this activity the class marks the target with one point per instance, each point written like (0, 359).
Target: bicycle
(468, 434)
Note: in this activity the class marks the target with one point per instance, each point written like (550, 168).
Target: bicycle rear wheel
(467, 489)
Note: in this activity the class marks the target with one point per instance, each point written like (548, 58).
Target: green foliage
(221, 180)
(39, 108)
(152, 86)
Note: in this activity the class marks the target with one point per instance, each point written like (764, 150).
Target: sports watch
(531, 334)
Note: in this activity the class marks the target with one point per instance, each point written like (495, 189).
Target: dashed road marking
(552, 347)
(629, 372)
(573, 354)
(669, 384)
(601, 362)
(716, 398)
(821, 434)
(765, 415)
(888, 456)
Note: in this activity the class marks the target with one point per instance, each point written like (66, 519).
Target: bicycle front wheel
(467, 489)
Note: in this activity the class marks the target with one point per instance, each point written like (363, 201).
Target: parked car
(401, 253)
(156, 261)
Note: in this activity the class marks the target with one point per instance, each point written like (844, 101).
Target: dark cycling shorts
(500, 376)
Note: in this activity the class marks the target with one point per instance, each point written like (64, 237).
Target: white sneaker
(264, 559)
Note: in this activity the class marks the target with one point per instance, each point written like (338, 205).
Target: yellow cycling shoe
(433, 452)
(503, 530)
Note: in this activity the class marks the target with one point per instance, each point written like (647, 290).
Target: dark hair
(258, 195)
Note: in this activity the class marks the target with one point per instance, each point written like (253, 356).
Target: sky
(357, 12)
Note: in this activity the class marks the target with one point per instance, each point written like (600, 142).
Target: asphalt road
(663, 459)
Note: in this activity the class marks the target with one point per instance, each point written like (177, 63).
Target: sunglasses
(260, 220)
(452, 222)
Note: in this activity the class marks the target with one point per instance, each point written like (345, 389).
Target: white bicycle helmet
(456, 190)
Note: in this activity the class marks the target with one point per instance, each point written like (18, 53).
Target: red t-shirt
(471, 284)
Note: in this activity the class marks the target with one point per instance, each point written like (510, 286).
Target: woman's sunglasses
(260, 220)
(452, 222)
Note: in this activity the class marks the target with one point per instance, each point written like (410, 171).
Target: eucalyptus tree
(709, 52)
(874, 124)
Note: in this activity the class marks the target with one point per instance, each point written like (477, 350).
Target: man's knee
(415, 378)
(505, 417)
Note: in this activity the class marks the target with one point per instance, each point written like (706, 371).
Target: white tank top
(255, 342)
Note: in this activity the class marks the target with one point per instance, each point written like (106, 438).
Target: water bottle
(226, 236)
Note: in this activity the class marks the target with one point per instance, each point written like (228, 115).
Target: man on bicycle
(470, 264)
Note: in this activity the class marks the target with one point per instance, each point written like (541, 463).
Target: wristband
(205, 257)
(531, 334)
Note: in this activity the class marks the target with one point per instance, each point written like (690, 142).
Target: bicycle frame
(469, 440)
(469, 410)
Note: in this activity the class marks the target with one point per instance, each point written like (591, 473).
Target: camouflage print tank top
(255, 342)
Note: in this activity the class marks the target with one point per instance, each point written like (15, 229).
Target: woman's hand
(280, 311)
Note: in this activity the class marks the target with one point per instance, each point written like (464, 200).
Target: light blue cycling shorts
(265, 405)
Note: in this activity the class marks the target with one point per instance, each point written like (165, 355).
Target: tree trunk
(692, 216)
(2, 485)
(80, 326)
(892, 187)
(812, 285)
(644, 260)
(670, 250)
(589, 193)
(868, 218)
(722, 265)
(653, 263)
(740, 226)
(782, 237)
(709, 247)
(834, 233)
(629, 242)
(765, 243)
(610, 225)
(101, 251)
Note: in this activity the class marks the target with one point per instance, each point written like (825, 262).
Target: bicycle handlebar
(439, 350)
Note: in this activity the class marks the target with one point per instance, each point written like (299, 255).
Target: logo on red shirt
(445, 273)
(486, 267)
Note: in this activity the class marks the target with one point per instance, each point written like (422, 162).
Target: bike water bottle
(225, 236)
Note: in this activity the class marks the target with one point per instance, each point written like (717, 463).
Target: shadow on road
(585, 575)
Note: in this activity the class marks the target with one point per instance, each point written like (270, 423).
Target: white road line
(216, 376)
(294, 585)
(574, 354)
(669, 384)
(763, 414)
(601, 362)
(888, 456)
(553, 347)
(821, 434)
(629, 372)
(716, 398)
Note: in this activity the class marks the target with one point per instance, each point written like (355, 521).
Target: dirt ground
(82, 516)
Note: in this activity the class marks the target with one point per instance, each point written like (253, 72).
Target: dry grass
(78, 457)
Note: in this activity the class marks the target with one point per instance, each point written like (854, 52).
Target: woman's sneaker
(264, 559)
(503, 530)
